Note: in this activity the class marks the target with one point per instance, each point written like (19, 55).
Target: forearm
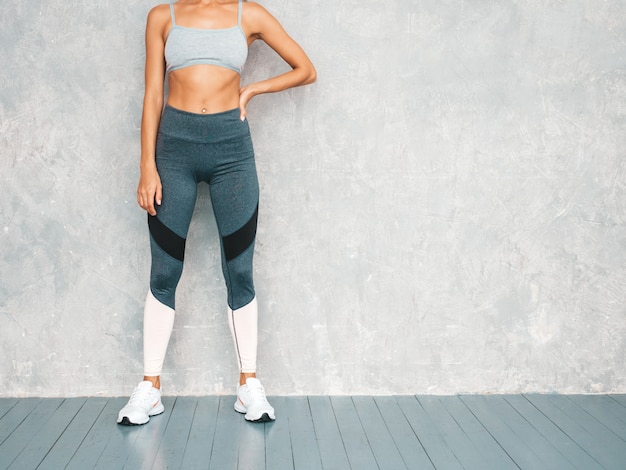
(152, 107)
(295, 77)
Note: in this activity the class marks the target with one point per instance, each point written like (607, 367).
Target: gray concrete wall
(443, 212)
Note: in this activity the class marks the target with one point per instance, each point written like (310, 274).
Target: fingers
(156, 198)
(244, 97)
(146, 202)
(146, 198)
(150, 207)
(159, 194)
(149, 190)
(151, 199)
(242, 108)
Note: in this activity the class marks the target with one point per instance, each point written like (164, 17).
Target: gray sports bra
(226, 47)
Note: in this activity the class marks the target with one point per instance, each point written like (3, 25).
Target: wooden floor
(359, 433)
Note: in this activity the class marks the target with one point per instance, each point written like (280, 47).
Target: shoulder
(258, 18)
(159, 13)
(254, 11)
(158, 19)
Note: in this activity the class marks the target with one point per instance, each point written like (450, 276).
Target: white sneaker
(144, 402)
(251, 401)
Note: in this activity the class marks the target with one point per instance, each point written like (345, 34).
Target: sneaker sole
(127, 422)
(265, 418)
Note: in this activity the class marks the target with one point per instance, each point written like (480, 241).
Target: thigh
(179, 187)
(168, 229)
(235, 198)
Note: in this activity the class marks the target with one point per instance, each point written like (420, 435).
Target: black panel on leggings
(236, 243)
(171, 243)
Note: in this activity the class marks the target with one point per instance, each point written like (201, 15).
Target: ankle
(246, 375)
(156, 381)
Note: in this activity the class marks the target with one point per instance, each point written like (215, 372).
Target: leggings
(217, 149)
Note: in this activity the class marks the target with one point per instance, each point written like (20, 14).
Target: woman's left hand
(245, 95)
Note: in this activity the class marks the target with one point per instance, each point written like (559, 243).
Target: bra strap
(239, 14)
(172, 13)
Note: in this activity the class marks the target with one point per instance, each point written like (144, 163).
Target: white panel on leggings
(158, 321)
(243, 326)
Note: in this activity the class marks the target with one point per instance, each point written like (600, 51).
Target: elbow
(304, 74)
(311, 76)
(153, 99)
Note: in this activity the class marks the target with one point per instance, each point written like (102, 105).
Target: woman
(202, 135)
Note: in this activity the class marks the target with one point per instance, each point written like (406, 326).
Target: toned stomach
(204, 89)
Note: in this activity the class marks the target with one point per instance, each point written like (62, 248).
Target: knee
(240, 293)
(165, 296)
(163, 285)
(240, 284)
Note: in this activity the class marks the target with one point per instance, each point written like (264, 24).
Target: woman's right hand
(149, 190)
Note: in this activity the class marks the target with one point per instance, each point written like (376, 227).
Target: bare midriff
(204, 89)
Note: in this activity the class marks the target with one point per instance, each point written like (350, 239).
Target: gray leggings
(216, 149)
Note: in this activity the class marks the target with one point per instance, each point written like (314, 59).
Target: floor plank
(603, 445)
(404, 437)
(383, 446)
(131, 442)
(176, 435)
(225, 452)
(97, 438)
(306, 454)
(27, 428)
(608, 412)
(454, 436)
(429, 434)
(621, 399)
(575, 455)
(493, 455)
(14, 417)
(6, 404)
(277, 439)
(144, 451)
(251, 446)
(47, 434)
(510, 433)
(202, 434)
(68, 443)
(354, 438)
(332, 452)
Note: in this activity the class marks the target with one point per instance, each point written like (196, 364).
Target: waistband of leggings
(202, 127)
(229, 113)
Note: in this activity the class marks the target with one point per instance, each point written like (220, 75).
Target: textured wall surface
(443, 212)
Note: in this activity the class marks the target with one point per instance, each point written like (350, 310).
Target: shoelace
(257, 392)
(140, 397)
